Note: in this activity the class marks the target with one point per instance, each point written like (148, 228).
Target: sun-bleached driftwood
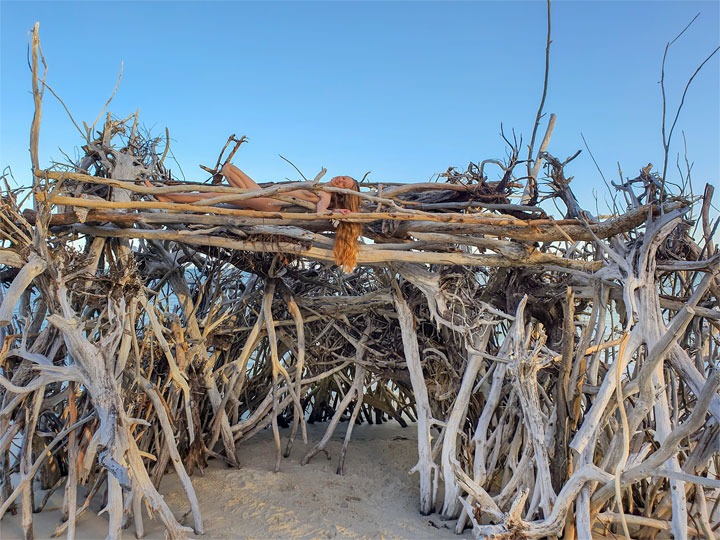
(425, 466)
(33, 268)
(561, 373)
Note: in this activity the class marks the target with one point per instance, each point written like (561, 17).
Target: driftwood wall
(561, 373)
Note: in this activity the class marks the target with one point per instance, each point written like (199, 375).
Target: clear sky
(402, 89)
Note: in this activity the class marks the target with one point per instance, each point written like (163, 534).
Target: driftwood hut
(561, 373)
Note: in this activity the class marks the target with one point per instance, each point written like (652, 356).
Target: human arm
(323, 202)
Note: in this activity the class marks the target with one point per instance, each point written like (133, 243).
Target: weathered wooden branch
(34, 267)
(425, 466)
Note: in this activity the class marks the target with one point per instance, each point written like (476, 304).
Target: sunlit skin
(239, 179)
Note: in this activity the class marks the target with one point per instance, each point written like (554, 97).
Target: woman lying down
(345, 250)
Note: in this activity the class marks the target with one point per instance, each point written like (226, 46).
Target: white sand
(375, 499)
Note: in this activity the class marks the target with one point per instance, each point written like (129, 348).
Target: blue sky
(402, 89)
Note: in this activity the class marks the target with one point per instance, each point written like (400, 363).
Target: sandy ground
(375, 499)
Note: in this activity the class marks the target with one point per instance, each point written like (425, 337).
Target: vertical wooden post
(37, 100)
(425, 465)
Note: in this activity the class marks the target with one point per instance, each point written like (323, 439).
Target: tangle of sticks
(561, 373)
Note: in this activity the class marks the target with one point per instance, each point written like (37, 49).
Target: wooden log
(365, 256)
(551, 525)
(560, 467)
(358, 217)
(34, 267)
(30, 474)
(185, 300)
(524, 366)
(70, 504)
(27, 498)
(425, 466)
(299, 414)
(11, 258)
(669, 446)
(174, 454)
(451, 500)
(354, 392)
(532, 231)
(359, 393)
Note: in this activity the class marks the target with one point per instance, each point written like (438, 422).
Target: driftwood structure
(561, 373)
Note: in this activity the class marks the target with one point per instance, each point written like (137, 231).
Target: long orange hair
(346, 239)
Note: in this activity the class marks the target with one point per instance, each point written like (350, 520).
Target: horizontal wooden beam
(367, 255)
(548, 231)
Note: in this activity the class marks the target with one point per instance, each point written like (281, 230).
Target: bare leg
(182, 197)
(237, 178)
(263, 204)
(186, 197)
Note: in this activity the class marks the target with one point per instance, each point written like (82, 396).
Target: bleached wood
(451, 503)
(33, 268)
(174, 454)
(425, 466)
(554, 522)
(352, 393)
